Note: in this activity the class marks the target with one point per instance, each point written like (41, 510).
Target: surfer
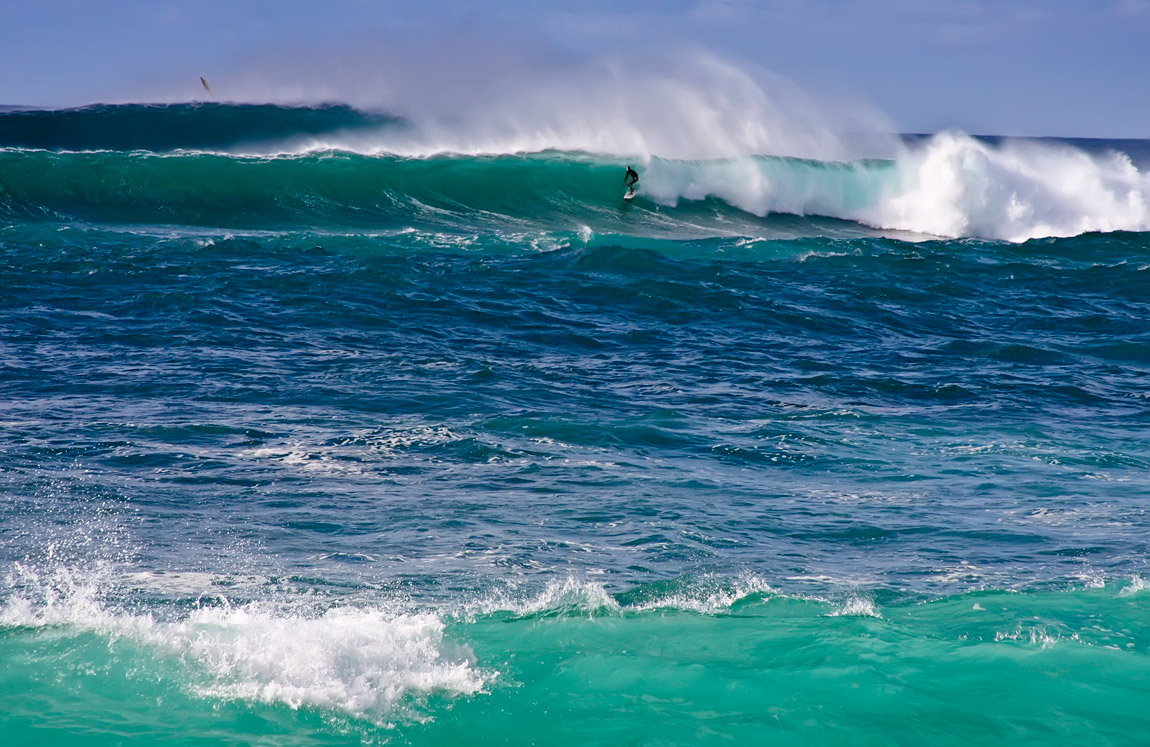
(631, 180)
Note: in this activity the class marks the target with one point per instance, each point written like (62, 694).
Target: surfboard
(630, 195)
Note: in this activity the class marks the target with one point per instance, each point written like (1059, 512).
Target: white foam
(954, 185)
(1034, 635)
(570, 594)
(857, 605)
(711, 598)
(366, 662)
(59, 597)
(1137, 584)
(188, 583)
(950, 185)
(574, 595)
(309, 459)
(964, 572)
(352, 455)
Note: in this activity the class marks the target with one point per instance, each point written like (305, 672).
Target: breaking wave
(332, 166)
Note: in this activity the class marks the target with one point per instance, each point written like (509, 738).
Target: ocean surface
(316, 430)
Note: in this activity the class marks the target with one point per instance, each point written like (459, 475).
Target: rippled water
(529, 483)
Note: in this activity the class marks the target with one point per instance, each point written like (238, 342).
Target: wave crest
(949, 185)
(954, 185)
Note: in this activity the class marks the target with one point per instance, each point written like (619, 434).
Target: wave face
(334, 190)
(383, 434)
(245, 166)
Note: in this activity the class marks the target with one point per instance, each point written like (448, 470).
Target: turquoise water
(347, 446)
(982, 667)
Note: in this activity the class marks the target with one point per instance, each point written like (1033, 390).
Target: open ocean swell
(338, 445)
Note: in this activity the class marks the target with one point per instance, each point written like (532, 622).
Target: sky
(1005, 67)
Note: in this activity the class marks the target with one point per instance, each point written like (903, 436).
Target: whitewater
(335, 424)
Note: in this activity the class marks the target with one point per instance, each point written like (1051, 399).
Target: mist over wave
(682, 103)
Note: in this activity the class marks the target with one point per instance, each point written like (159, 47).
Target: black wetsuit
(632, 178)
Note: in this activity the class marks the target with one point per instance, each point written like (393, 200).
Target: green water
(979, 668)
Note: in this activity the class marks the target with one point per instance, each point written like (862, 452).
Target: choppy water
(340, 446)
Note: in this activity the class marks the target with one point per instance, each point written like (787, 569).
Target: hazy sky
(1049, 67)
